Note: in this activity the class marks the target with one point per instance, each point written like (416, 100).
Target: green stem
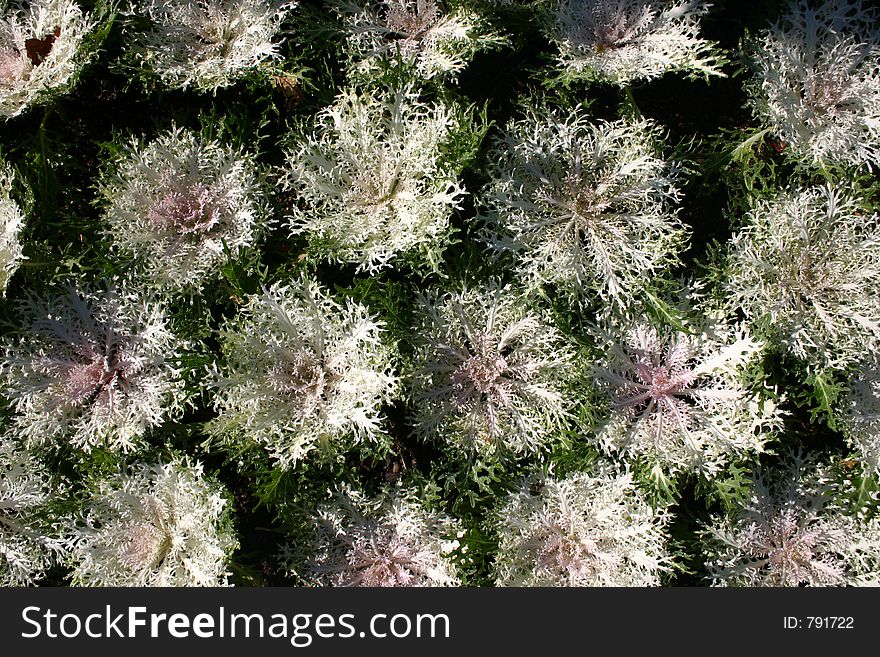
(630, 108)
(46, 174)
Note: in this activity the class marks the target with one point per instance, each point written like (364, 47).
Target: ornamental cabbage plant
(433, 40)
(302, 371)
(208, 44)
(42, 50)
(11, 223)
(817, 82)
(678, 399)
(181, 206)
(794, 530)
(622, 41)
(372, 183)
(489, 374)
(587, 206)
(803, 269)
(93, 368)
(163, 524)
(30, 541)
(389, 540)
(581, 530)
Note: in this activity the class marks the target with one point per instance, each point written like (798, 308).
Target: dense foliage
(411, 292)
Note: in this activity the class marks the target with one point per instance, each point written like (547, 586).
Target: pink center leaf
(377, 565)
(303, 379)
(192, 212)
(481, 381)
(13, 66)
(412, 22)
(663, 380)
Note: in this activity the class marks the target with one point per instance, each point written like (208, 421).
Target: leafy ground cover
(312, 318)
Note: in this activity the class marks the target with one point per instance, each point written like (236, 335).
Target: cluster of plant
(439, 293)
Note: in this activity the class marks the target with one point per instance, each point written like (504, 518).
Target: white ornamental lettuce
(818, 82)
(372, 182)
(41, 51)
(155, 525)
(581, 530)
(182, 206)
(621, 41)
(93, 368)
(300, 371)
